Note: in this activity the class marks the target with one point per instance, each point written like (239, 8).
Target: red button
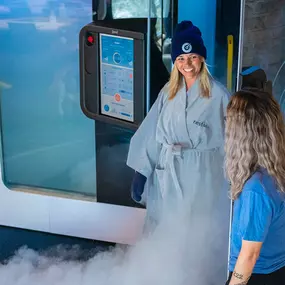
(90, 39)
(117, 97)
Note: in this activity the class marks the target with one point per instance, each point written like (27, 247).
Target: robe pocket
(160, 177)
(199, 134)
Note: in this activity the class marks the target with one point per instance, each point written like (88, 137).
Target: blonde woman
(255, 165)
(177, 152)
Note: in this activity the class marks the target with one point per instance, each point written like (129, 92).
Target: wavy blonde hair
(175, 82)
(255, 135)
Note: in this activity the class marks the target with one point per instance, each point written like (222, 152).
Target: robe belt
(174, 151)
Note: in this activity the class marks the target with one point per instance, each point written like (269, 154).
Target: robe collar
(191, 95)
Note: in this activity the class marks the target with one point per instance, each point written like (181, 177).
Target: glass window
(137, 8)
(47, 142)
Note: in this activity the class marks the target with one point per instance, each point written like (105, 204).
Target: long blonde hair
(255, 136)
(175, 82)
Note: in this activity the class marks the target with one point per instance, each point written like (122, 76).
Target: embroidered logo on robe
(186, 47)
(201, 124)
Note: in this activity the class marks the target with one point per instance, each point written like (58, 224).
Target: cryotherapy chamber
(63, 165)
(124, 62)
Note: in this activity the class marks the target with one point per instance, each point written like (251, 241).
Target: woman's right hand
(137, 187)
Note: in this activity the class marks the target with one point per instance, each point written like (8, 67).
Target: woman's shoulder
(261, 188)
(163, 94)
(165, 89)
(219, 90)
(254, 183)
(260, 182)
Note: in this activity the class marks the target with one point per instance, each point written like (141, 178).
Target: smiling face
(189, 65)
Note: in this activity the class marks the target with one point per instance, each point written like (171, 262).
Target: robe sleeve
(224, 98)
(144, 149)
(225, 102)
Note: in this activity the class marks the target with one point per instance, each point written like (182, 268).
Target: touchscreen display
(117, 77)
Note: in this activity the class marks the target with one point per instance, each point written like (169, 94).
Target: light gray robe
(179, 147)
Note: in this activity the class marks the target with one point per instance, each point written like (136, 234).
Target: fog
(173, 254)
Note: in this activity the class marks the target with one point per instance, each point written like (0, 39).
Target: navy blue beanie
(187, 39)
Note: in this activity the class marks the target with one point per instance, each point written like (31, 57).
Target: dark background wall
(11, 239)
(264, 38)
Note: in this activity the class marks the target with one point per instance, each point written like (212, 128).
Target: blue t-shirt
(259, 215)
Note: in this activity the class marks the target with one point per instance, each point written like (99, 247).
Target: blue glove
(137, 186)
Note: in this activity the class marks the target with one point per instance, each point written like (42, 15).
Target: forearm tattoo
(237, 275)
(240, 277)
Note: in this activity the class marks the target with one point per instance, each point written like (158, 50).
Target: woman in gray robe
(178, 153)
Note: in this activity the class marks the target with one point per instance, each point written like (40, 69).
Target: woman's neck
(190, 82)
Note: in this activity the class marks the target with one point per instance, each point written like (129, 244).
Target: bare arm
(246, 261)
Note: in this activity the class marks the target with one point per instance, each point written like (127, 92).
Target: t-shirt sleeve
(256, 216)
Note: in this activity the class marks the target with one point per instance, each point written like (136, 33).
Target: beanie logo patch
(186, 47)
